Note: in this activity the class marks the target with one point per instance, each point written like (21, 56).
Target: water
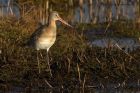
(5, 10)
(127, 44)
(122, 87)
(97, 12)
(76, 90)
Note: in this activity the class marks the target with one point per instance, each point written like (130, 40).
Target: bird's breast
(46, 42)
(46, 38)
(48, 35)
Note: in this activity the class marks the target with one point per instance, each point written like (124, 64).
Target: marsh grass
(73, 62)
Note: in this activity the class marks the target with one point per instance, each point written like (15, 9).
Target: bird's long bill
(60, 19)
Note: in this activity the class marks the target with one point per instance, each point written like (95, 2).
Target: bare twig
(68, 65)
(48, 83)
(79, 75)
(84, 81)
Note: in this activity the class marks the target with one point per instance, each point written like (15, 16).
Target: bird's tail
(24, 44)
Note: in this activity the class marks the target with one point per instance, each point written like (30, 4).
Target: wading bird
(44, 37)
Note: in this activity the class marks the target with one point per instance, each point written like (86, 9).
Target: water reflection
(128, 44)
(102, 11)
(7, 7)
(88, 11)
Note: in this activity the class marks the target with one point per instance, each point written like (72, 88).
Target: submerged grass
(73, 62)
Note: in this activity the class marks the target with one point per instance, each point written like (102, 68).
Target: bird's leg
(49, 64)
(39, 70)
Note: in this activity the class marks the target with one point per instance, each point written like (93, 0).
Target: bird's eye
(57, 15)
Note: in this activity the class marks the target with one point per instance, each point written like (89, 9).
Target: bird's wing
(34, 37)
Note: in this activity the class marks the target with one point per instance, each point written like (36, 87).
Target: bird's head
(55, 16)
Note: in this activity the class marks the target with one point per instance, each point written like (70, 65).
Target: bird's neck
(52, 23)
